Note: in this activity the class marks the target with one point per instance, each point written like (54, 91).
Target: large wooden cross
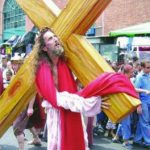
(86, 63)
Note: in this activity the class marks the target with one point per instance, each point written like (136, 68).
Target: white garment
(5, 83)
(4, 72)
(89, 107)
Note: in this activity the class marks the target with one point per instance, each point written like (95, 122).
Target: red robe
(72, 137)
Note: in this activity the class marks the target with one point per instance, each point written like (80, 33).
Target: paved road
(8, 142)
(102, 143)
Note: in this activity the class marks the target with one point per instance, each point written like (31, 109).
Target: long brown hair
(38, 49)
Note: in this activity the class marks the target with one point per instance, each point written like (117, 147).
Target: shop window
(13, 15)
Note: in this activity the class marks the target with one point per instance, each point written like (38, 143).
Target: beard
(58, 52)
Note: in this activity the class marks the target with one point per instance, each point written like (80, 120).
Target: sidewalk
(103, 143)
(8, 142)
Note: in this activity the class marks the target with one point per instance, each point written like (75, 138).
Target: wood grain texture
(17, 95)
(82, 57)
(41, 12)
(79, 49)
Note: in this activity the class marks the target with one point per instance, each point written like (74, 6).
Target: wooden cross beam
(68, 24)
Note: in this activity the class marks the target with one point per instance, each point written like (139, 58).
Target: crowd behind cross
(134, 129)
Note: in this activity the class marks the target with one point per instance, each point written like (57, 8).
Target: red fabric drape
(71, 128)
(45, 83)
(109, 83)
(72, 137)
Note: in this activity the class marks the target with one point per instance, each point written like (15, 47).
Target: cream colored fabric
(75, 103)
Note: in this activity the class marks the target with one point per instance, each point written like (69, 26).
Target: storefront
(133, 40)
(19, 44)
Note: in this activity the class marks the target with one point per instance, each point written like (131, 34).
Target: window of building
(13, 15)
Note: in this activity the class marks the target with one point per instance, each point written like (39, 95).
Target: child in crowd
(9, 75)
(110, 127)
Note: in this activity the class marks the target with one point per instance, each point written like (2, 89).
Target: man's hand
(147, 92)
(104, 104)
(139, 109)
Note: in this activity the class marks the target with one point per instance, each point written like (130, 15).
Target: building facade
(12, 19)
(123, 13)
(118, 14)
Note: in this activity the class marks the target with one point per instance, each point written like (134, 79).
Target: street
(8, 142)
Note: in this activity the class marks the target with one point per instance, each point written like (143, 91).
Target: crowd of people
(62, 121)
(134, 129)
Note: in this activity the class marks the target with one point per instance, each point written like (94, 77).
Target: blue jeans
(100, 117)
(119, 130)
(143, 126)
(126, 128)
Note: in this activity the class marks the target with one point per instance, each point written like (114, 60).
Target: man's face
(52, 44)
(130, 74)
(16, 66)
(8, 77)
(147, 68)
(4, 62)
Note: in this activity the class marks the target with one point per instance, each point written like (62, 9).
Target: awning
(143, 28)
